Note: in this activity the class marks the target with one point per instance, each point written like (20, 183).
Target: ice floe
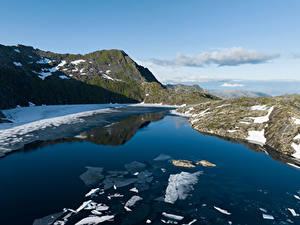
(132, 201)
(180, 185)
(148, 221)
(296, 197)
(263, 210)
(134, 189)
(83, 205)
(92, 192)
(222, 210)
(267, 217)
(17, 64)
(257, 137)
(293, 212)
(91, 220)
(190, 223)
(135, 167)
(172, 216)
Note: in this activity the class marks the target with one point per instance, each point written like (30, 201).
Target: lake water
(44, 178)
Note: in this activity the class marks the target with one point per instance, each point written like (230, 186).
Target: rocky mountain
(42, 77)
(272, 122)
(237, 93)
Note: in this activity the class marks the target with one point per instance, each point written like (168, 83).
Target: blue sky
(178, 40)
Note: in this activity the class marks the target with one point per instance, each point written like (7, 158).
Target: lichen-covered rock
(205, 163)
(183, 163)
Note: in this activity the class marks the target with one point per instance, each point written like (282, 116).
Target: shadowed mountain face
(114, 134)
(119, 133)
(42, 77)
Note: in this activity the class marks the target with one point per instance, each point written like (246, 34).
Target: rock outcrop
(273, 121)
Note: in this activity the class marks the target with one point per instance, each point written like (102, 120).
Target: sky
(179, 41)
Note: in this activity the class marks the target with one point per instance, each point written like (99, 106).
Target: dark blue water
(45, 179)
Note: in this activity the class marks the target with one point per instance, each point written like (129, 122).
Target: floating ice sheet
(92, 176)
(180, 185)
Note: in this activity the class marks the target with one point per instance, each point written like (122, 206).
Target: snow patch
(76, 62)
(257, 137)
(17, 50)
(297, 149)
(296, 121)
(61, 64)
(259, 107)
(263, 119)
(43, 61)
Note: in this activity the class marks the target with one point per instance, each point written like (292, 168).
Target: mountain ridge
(105, 76)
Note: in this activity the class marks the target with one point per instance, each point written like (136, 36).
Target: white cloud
(232, 85)
(222, 57)
(171, 74)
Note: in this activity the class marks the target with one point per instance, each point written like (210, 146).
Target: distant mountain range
(29, 75)
(237, 93)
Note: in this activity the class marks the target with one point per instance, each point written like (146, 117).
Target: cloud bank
(232, 85)
(223, 57)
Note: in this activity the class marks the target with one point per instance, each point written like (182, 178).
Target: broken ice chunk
(172, 216)
(293, 212)
(91, 220)
(222, 210)
(267, 217)
(92, 192)
(131, 202)
(83, 205)
(134, 190)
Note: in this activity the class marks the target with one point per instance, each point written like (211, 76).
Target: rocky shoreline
(272, 122)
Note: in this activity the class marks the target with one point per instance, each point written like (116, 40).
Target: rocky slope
(274, 122)
(41, 77)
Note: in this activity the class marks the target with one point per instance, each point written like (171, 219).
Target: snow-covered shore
(55, 121)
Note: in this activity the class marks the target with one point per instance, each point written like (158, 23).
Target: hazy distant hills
(237, 93)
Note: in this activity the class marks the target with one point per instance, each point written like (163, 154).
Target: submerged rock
(205, 163)
(93, 175)
(48, 220)
(162, 157)
(135, 166)
(183, 163)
